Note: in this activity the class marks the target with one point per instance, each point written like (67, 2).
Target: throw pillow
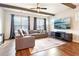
(20, 32)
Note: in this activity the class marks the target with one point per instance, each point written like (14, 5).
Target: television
(62, 23)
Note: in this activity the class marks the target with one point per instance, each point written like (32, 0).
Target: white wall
(1, 23)
(74, 23)
(64, 14)
(0, 20)
(76, 26)
(8, 20)
(7, 25)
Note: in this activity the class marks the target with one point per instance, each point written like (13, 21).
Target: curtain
(35, 25)
(12, 30)
(28, 22)
(45, 24)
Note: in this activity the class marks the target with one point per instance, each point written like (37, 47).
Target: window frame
(21, 22)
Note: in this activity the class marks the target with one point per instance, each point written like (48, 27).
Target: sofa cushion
(34, 31)
(39, 35)
(25, 32)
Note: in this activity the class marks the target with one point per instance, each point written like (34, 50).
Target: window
(40, 24)
(25, 23)
(20, 22)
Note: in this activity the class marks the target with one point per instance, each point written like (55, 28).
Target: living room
(45, 32)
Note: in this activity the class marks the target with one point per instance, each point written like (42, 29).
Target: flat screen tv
(62, 23)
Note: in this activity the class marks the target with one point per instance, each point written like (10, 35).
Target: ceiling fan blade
(38, 7)
(43, 8)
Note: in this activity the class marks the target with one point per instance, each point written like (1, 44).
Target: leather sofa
(37, 34)
(23, 42)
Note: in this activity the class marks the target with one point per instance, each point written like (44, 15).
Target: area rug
(45, 44)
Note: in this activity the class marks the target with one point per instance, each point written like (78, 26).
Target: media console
(62, 36)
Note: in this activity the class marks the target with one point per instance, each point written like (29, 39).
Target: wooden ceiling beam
(70, 5)
(25, 9)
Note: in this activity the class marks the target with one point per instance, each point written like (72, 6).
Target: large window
(40, 24)
(20, 22)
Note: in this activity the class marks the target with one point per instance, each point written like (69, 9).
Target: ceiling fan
(38, 8)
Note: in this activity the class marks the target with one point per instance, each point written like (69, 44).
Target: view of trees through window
(40, 24)
(20, 22)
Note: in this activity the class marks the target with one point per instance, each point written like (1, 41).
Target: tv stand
(62, 36)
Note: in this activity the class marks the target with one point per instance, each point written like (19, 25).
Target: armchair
(23, 42)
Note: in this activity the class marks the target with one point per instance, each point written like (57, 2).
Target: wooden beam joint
(70, 5)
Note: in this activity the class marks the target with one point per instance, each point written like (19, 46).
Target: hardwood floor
(68, 49)
(24, 52)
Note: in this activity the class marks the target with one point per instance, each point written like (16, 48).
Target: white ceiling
(53, 8)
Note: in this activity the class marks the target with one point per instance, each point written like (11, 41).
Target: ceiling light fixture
(38, 8)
